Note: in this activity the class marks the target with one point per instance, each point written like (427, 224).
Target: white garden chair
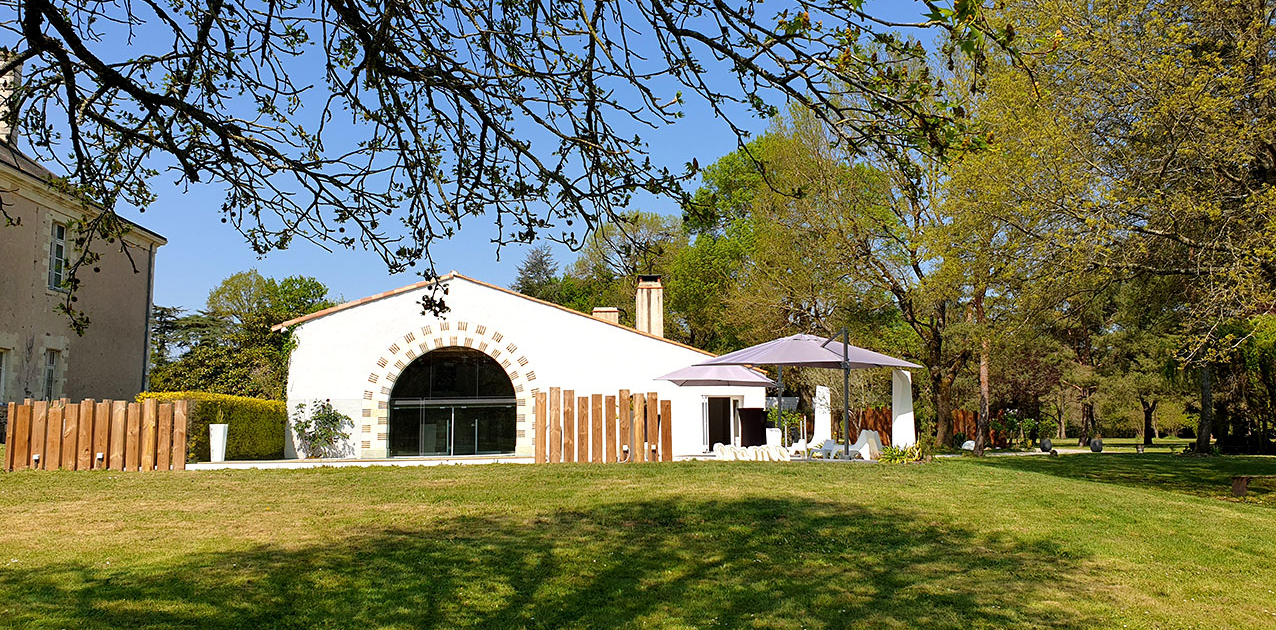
(868, 446)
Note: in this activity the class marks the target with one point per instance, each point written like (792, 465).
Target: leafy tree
(239, 297)
(836, 242)
(229, 347)
(538, 274)
(1165, 104)
(699, 282)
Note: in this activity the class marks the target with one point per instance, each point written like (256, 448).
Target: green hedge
(256, 428)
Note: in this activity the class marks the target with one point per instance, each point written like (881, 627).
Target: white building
(464, 383)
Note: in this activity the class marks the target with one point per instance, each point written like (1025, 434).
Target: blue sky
(201, 250)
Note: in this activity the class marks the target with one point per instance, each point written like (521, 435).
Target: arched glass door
(452, 401)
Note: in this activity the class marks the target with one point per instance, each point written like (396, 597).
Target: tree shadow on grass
(684, 564)
(1198, 476)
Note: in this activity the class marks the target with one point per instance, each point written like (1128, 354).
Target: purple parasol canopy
(813, 351)
(809, 351)
(717, 375)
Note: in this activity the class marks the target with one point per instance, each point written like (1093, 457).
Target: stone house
(41, 357)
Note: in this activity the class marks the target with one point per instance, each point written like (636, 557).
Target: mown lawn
(1082, 541)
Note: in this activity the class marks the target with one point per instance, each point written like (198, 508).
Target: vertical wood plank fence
(879, 419)
(965, 421)
(602, 429)
(93, 435)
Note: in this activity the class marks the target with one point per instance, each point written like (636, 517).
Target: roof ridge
(452, 275)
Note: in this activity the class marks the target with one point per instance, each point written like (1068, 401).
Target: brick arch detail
(374, 425)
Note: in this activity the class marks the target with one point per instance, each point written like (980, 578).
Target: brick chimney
(649, 306)
(9, 102)
(607, 314)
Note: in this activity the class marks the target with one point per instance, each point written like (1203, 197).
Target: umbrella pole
(846, 396)
(779, 397)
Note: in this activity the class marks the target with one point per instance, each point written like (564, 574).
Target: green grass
(1083, 541)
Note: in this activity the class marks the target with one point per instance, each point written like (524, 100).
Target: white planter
(217, 442)
(773, 437)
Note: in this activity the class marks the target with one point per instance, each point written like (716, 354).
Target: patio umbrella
(715, 375)
(814, 351)
(809, 351)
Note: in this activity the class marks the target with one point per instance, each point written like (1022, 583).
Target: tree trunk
(981, 423)
(1206, 425)
(1061, 430)
(1148, 412)
(1087, 423)
(1221, 423)
(943, 410)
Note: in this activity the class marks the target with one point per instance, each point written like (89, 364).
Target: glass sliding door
(493, 432)
(436, 431)
(418, 430)
(452, 401)
(405, 430)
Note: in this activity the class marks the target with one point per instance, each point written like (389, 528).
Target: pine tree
(538, 274)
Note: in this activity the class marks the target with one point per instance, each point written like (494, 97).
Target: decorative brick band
(402, 351)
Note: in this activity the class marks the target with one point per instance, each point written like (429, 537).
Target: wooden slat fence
(879, 419)
(602, 429)
(873, 419)
(96, 435)
(966, 422)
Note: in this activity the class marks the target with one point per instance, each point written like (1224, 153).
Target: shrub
(891, 455)
(959, 438)
(786, 421)
(320, 431)
(902, 455)
(256, 428)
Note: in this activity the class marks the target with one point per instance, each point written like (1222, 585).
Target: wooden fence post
(101, 435)
(84, 441)
(582, 429)
(52, 459)
(179, 435)
(132, 438)
(21, 439)
(164, 449)
(39, 423)
(542, 423)
(150, 430)
(666, 431)
(653, 426)
(640, 428)
(70, 433)
(609, 405)
(11, 421)
(569, 425)
(555, 425)
(596, 427)
(119, 434)
(625, 440)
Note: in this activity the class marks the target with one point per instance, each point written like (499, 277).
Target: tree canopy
(229, 347)
(388, 126)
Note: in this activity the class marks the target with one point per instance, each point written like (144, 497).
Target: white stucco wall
(351, 356)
